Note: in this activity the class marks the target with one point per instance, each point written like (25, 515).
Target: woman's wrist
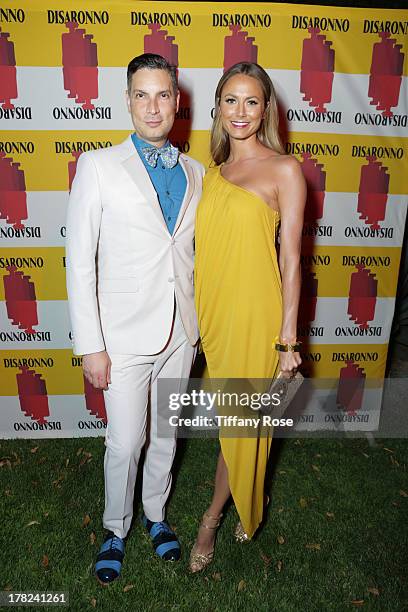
(285, 346)
(287, 339)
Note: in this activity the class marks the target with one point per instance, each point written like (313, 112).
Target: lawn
(335, 536)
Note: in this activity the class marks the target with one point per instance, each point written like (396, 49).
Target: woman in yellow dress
(246, 298)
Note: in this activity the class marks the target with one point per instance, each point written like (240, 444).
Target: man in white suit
(130, 231)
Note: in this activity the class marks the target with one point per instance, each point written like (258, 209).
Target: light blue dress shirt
(170, 184)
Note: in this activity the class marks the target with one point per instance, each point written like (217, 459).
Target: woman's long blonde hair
(268, 133)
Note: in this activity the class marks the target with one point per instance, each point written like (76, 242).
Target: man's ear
(177, 100)
(127, 100)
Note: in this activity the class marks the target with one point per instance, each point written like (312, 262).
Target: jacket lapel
(138, 173)
(188, 171)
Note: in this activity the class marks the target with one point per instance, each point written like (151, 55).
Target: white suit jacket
(123, 266)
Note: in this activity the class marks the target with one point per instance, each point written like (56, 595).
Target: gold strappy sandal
(199, 561)
(239, 533)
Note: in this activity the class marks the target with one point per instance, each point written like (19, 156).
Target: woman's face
(242, 106)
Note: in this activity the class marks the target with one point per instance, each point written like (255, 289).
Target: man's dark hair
(151, 61)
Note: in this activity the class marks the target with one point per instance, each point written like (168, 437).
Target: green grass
(362, 546)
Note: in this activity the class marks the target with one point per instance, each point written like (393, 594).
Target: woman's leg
(205, 537)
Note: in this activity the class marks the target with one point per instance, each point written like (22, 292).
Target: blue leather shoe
(110, 558)
(165, 542)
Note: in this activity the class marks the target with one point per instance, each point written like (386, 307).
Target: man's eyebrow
(145, 92)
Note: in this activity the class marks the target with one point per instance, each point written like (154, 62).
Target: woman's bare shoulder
(282, 168)
(285, 163)
(285, 168)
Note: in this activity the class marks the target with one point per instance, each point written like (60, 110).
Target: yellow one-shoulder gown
(239, 307)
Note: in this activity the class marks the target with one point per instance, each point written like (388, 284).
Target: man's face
(152, 104)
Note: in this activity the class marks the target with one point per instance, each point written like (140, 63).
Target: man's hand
(97, 369)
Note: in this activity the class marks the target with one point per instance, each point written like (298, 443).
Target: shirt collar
(139, 143)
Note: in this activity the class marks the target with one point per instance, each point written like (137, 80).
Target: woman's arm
(291, 199)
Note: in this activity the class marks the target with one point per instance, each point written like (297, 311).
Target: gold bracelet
(284, 348)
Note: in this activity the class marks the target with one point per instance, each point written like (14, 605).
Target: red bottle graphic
(386, 74)
(308, 297)
(80, 65)
(158, 42)
(350, 389)
(13, 197)
(94, 400)
(315, 177)
(362, 296)
(21, 305)
(72, 166)
(239, 47)
(32, 392)
(317, 70)
(373, 192)
(8, 72)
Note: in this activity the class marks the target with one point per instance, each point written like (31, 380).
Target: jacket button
(170, 279)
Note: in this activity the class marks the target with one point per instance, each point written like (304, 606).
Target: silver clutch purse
(284, 388)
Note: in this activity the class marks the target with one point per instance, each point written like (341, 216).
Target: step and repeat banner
(340, 74)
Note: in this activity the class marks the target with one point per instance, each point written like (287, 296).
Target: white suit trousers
(134, 377)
